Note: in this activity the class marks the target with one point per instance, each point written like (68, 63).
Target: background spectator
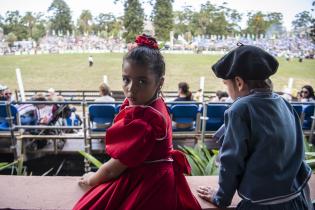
(307, 94)
(220, 96)
(105, 93)
(183, 92)
(2, 89)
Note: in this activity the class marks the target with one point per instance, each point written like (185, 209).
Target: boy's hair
(261, 84)
(145, 56)
(104, 88)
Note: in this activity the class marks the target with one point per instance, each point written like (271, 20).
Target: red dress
(141, 138)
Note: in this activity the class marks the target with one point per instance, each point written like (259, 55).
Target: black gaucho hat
(248, 62)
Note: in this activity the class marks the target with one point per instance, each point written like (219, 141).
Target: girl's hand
(88, 179)
(206, 193)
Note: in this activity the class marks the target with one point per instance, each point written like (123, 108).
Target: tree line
(210, 20)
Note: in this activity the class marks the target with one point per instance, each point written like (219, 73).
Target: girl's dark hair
(310, 90)
(149, 57)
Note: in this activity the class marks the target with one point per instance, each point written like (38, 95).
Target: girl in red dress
(144, 172)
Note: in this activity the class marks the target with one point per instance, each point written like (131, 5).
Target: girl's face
(140, 85)
(305, 93)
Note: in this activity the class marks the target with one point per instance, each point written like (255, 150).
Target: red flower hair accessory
(148, 41)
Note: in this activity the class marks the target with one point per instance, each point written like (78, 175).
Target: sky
(289, 8)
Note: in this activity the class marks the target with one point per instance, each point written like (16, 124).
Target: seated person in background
(51, 95)
(8, 95)
(220, 96)
(183, 95)
(45, 112)
(198, 95)
(105, 94)
(183, 92)
(2, 89)
(28, 114)
(306, 94)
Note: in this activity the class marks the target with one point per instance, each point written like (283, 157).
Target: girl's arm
(109, 170)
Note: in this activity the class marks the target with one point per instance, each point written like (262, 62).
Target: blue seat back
(308, 111)
(118, 106)
(4, 123)
(215, 114)
(102, 113)
(73, 120)
(184, 113)
(298, 108)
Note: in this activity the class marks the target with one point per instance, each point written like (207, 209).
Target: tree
(163, 19)
(302, 20)
(30, 22)
(256, 23)
(61, 18)
(215, 20)
(133, 19)
(13, 23)
(85, 22)
(183, 23)
(11, 38)
(35, 25)
(40, 27)
(204, 19)
(312, 33)
(274, 24)
(108, 24)
(1, 21)
(117, 27)
(234, 18)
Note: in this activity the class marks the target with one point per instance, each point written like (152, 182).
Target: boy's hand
(206, 193)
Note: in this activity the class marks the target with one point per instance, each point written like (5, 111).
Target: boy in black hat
(262, 152)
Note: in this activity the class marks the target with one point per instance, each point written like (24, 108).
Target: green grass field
(71, 71)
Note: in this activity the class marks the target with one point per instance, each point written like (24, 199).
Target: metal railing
(86, 133)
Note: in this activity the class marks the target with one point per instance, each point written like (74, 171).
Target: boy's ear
(240, 84)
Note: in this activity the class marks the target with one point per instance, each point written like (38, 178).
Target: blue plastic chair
(4, 122)
(101, 114)
(299, 110)
(215, 116)
(184, 114)
(308, 111)
(118, 108)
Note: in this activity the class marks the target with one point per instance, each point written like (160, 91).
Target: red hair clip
(148, 41)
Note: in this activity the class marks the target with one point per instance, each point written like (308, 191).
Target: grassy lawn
(71, 71)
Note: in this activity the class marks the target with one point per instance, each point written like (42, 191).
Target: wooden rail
(56, 192)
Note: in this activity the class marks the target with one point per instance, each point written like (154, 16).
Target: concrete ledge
(60, 193)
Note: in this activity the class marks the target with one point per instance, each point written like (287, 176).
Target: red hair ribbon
(148, 41)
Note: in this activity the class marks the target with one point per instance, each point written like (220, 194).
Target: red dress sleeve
(132, 136)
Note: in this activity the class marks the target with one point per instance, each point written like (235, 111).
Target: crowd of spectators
(63, 44)
(288, 46)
